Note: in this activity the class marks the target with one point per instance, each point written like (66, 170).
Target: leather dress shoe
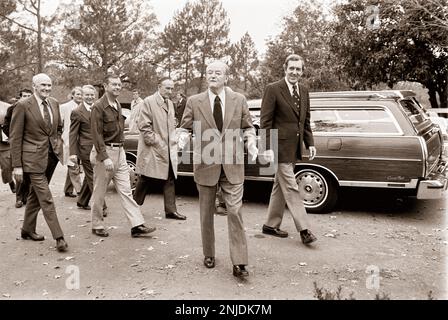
(70, 195)
(307, 236)
(100, 232)
(61, 245)
(274, 231)
(31, 236)
(240, 271)
(87, 207)
(19, 204)
(175, 215)
(209, 262)
(221, 210)
(141, 230)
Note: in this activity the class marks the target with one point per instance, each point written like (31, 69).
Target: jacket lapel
(84, 112)
(229, 109)
(287, 95)
(206, 109)
(35, 111)
(161, 103)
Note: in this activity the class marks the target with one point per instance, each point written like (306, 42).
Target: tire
(130, 159)
(318, 189)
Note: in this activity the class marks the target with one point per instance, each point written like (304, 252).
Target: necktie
(217, 113)
(296, 97)
(47, 117)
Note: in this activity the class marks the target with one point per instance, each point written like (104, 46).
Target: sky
(261, 18)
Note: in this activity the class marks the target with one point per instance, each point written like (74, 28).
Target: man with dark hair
(22, 188)
(157, 148)
(73, 177)
(36, 148)
(180, 107)
(286, 107)
(109, 160)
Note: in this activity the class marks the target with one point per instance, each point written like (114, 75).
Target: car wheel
(319, 190)
(132, 175)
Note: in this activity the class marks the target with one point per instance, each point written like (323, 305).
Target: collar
(160, 96)
(290, 86)
(221, 95)
(39, 100)
(88, 106)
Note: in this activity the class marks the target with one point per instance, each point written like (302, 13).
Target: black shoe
(31, 236)
(80, 206)
(175, 215)
(70, 195)
(61, 245)
(240, 271)
(221, 210)
(141, 230)
(12, 185)
(100, 232)
(274, 231)
(307, 236)
(209, 262)
(19, 204)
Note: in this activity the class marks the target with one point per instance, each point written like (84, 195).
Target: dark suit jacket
(278, 112)
(30, 139)
(80, 133)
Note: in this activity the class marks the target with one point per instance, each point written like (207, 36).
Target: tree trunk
(443, 95)
(39, 39)
(432, 96)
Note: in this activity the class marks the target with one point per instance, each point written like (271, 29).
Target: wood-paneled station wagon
(374, 139)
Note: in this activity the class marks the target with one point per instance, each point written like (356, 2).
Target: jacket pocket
(29, 147)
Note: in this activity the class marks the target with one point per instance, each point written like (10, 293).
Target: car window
(414, 111)
(354, 121)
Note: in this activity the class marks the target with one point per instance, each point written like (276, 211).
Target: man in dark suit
(22, 188)
(36, 148)
(286, 107)
(81, 143)
(180, 107)
(220, 120)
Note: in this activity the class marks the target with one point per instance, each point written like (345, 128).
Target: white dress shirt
(222, 96)
(290, 87)
(41, 107)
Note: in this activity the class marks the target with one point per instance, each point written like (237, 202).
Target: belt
(114, 144)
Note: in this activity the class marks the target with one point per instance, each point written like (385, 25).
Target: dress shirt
(290, 87)
(222, 96)
(41, 107)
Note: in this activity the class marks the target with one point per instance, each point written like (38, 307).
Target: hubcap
(312, 187)
(132, 175)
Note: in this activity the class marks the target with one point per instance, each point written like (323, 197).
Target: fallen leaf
(342, 279)
(18, 282)
(332, 217)
(45, 263)
(150, 248)
(150, 292)
(69, 258)
(57, 276)
(302, 264)
(134, 265)
(163, 243)
(329, 235)
(170, 266)
(184, 257)
(45, 292)
(6, 295)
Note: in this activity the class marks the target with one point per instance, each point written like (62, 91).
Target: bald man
(36, 148)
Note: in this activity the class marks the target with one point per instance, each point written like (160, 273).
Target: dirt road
(370, 245)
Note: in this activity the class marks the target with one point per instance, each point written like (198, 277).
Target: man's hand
(312, 153)
(108, 164)
(269, 155)
(253, 151)
(182, 139)
(18, 174)
(73, 158)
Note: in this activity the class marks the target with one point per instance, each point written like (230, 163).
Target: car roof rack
(367, 95)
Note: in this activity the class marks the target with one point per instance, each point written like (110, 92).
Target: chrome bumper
(436, 185)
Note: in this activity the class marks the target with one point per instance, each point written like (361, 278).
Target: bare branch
(17, 23)
(18, 67)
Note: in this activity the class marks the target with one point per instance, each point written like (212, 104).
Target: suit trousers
(285, 192)
(120, 176)
(233, 198)
(23, 189)
(6, 166)
(40, 198)
(87, 184)
(147, 185)
(72, 179)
